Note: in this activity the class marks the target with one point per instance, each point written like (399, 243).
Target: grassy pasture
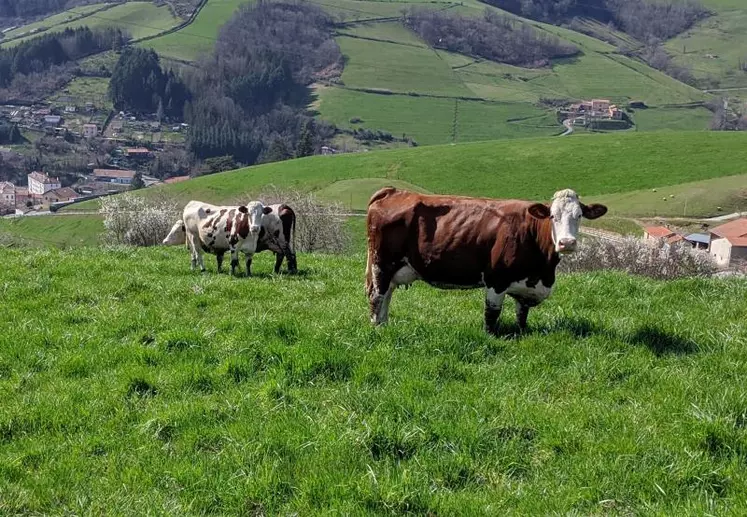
(693, 199)
(129, 382)
(676, 119)
(530, 168)
(139, 19)
(51, 22)
(198, 37)
(60, 231)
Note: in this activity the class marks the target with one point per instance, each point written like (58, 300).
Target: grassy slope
(723, 37)
(139, 19)
(199, 37)
(130, 383)
(693, 199)
(51, 22)
(68, 230)
(526, 168)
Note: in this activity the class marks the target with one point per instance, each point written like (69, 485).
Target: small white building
(90, 130)
(39, 183)
(729, 242)
(7, 193)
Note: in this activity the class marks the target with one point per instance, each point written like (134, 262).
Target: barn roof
(702, 238)
(658, 231)
(733, 229)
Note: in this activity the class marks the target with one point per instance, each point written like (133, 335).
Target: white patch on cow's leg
(383, 313)
(493, 307)
(379, 289)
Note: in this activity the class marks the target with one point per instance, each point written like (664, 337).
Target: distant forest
(249, 97)
(494, 37)
(642, 19)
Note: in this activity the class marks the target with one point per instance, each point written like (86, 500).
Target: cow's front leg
(234, 261)
(522, 313)
(493, 307)
(278, 262)
(249, 264)
(380, 290)
(219, 259)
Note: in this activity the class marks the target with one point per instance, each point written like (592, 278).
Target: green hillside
(139, 19)
(531, 168)
(129, 382)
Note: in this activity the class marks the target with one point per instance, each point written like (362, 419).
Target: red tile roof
(732, 229)
(63, 193)
(113, 173)
(658, 231)
(176, 179)
(43, 178)
(137, 150)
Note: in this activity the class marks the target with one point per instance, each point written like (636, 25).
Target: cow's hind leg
(522, 313)
(379, 289)
(292, 265)
(278, 262)
(493, 307)
(219, 259)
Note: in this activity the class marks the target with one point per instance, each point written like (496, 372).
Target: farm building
(729, 242)
(124, 177)
(22, 196)
(661, 232)
(90, 130)
(52, 120)
(699, 241)
(57, 195)
(137, 152)
(39, 183)
(7, 193)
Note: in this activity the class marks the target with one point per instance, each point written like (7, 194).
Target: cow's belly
(535, 294)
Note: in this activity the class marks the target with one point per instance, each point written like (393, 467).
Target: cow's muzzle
(566, 245)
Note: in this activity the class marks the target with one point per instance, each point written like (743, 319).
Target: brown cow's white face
(248, 221)
(177, 235)
(566, 212)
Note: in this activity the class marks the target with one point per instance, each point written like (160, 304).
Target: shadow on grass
(657, 340)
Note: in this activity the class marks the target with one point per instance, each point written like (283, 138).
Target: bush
(137, 221)
(654, 259)
(320, 227)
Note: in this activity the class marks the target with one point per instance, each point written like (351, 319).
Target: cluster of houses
(45, 119)
(585, 113)
(727, 244)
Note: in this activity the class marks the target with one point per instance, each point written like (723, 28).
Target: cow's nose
(254, 228)
(567, 244)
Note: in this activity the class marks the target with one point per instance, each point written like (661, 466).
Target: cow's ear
(593, 211)
(243, 210)
(539, 211)
(266, 210)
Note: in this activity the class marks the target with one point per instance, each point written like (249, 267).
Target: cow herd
(507, 247)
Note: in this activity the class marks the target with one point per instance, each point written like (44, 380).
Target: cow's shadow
(657, 340)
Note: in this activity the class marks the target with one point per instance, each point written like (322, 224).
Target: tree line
(249, 96)
(139, 84)
(40, 54)
(9, 134)
(493, 37)
(642, 19)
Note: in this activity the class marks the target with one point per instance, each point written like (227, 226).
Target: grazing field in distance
(530, 168)
(128, 381)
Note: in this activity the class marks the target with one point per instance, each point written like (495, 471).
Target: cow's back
(450, 241)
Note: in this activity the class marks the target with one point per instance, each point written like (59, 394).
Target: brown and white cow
(509, 247)
(220, 229)
(276, 234)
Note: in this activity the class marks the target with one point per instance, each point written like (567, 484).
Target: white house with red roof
(729, 242)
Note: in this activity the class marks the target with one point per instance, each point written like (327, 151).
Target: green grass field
(523, 168)
(199, 37)
(130, 383)
(60, 231)
(139, 19)
(694, 199)
(714, 47)
(677, 119)
(52, 22)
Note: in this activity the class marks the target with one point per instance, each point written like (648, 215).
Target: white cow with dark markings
(220, 229)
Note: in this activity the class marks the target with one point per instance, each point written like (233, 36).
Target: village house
(39, 183)
(729, 242)
(653, 233)
(7, 194)
(57, 195)
(137, 152)
(699, 241)
(120, 176)
(90, 130)
(22, 196)
(596, 109)
(52, 120)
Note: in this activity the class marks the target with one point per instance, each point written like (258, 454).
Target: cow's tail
(381, 194)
